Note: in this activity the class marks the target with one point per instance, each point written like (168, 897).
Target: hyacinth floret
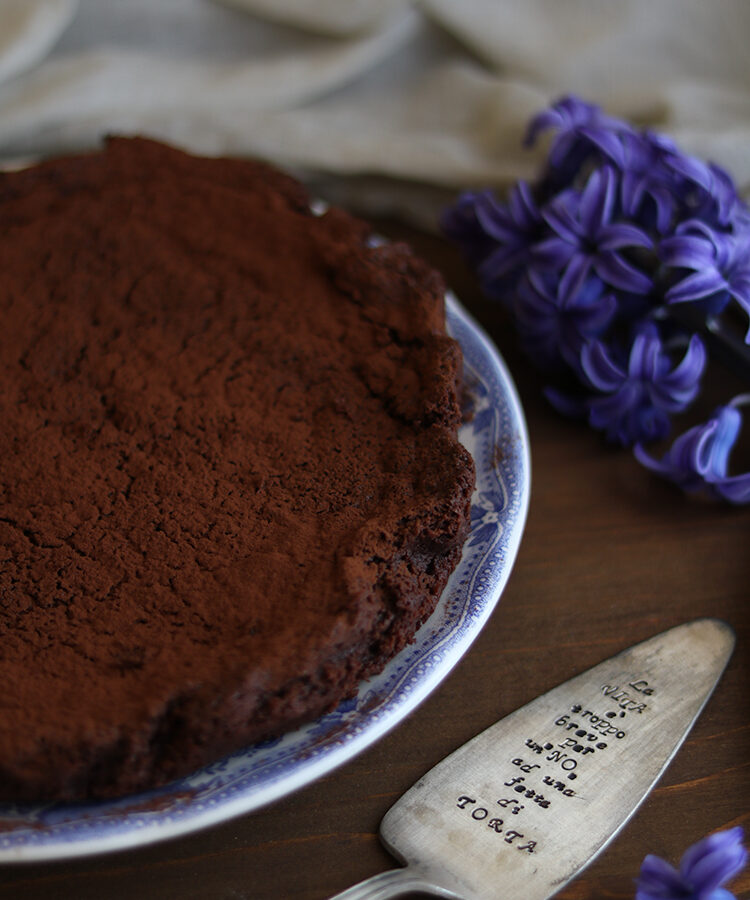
(634, 401)
(646, 195)
(698, 459)
(578, 127)
(585, 237)
(717, 265)
(703, 869)
(555, 318)
(461, 224)
(514, 226)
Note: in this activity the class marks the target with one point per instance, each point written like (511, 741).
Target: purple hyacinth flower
(514, 227)
(578, 125)
(556, 318)
(703, 869)
(585, 237)
(689, 169)
(720, 202)
(504, 221)
(719, 263)
(636, 400)
(645, 178)
(699, 458)
(698, 189)
(459, 222)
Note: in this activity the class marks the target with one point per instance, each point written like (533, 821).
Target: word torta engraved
(481, 813)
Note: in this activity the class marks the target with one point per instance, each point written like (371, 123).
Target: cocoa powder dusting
(229, 480)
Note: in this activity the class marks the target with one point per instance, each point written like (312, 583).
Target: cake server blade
(520, 809)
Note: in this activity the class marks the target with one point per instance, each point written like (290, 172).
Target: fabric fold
(334, 17)
(29, 30)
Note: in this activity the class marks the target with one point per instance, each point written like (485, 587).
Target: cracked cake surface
(230, 482)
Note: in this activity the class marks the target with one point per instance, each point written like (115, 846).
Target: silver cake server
(519, 810)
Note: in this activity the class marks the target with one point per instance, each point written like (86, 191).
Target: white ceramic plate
(496, 436)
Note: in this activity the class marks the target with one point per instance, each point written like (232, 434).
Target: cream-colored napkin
(28, 30)
(388, 105)
(335, 17)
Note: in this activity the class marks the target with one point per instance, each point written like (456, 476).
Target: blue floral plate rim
(495, 433)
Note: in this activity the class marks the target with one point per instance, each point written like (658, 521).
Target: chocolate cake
(230, 482)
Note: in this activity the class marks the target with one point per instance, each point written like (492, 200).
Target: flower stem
(722, 341)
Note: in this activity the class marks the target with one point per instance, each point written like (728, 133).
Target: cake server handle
(395, 883)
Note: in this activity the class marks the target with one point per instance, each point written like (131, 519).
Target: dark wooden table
(610, 556)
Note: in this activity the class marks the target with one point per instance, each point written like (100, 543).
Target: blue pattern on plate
(496, 437)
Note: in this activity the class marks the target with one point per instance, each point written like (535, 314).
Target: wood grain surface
(610, 556)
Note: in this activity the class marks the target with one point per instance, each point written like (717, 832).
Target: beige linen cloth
(391, 106)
